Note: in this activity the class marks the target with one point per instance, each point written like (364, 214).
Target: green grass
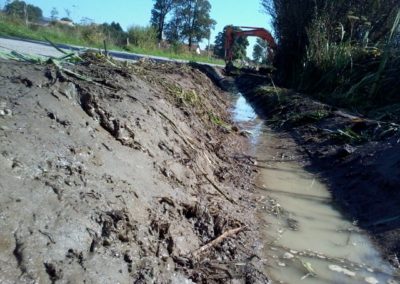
(171, 55)
(75, 36)
(39, 33)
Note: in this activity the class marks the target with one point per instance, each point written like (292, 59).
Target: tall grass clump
(143, 37)
(350, 72)
(344, 52)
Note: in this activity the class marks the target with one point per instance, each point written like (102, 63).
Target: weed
(307, 117)
(349, 136)
(183, 96)
(218, 121)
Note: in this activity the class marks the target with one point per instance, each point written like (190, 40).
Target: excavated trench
(306, 236)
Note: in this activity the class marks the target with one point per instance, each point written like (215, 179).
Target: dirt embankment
(122, 178)
(359, 158)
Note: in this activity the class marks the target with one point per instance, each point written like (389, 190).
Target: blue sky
(137, 12)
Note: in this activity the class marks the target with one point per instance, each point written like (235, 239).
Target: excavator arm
(232, 32)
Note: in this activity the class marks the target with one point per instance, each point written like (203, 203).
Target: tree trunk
(190, 43)
(160, 28)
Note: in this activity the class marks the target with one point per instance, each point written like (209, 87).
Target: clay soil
(359, 158)
(130, 174)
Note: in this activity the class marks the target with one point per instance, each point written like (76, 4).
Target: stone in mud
(371, 280)
(288, 255)
(345, 151)
(340, 269)
(69, 91)
(8, 112)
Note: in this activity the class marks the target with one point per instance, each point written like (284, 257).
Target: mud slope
(358, 157)
(121, 178)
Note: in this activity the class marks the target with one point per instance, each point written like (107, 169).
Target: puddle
(307, 239)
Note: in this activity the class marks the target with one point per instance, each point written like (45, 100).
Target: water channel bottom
(307, 240)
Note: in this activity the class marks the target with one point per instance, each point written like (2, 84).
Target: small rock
(8, 112)
(345, 151)
(127, 257)
(371, 280)
(235, 128)
(106, 242)
(340, 269)
(16, 164)
(2, 112)
(69, 91)
(288, 255)
(245, 133)
(281, 264)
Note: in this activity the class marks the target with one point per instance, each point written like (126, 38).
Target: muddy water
(307, 240)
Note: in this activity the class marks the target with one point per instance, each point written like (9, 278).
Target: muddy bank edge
(136, 175)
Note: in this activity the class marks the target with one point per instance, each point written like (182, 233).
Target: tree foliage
(190, 22)
(260, 51)
(54, 14)
(21, 10)
(239, 47)
(159, 13)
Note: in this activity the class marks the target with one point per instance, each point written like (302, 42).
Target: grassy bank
(89, 36)
(351, 74)
(345, 53)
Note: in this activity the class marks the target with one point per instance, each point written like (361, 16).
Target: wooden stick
(217, 240)
(105, 48)
(218, 189)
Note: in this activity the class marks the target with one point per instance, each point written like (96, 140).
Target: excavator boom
(233, 32)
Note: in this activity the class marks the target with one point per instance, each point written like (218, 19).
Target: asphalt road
(34, 47)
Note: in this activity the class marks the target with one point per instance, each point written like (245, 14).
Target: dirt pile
(358, 157)
(124, 174)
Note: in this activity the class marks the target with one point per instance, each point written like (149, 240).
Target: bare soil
(135, 175)
(359, 158)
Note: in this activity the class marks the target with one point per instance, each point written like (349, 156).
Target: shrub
(143, 37)
(92, 34)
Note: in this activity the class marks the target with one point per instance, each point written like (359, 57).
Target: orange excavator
(233, 32)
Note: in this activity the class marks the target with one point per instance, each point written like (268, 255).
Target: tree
(68, 13)
(173, 30)
(239, 47)
(54, 14)
(191, 21)
(159, 13)
(21, 10)
(260, 51)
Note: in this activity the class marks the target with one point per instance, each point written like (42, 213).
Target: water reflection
(242, 111)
